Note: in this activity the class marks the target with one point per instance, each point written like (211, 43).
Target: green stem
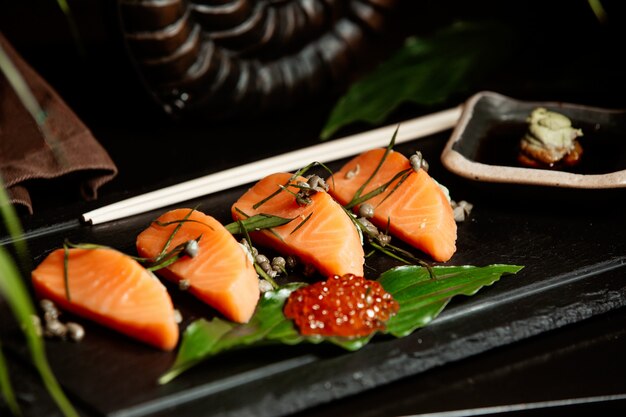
(5, 386)
(65, 8)
(18, 299)
(598, 10)
(14, 290)
(13, 225)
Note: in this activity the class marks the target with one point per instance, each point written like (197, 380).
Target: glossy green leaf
(427, 71)
(203, 339)
(421, 299)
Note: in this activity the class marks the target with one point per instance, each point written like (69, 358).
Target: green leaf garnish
(420, 297)
(203, 339)
(427, 71)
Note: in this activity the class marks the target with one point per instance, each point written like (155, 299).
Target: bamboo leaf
(427, 71)
(421, 299)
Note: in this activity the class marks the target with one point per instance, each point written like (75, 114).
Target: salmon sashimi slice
(221, 274)
(321, 235)
(418, 211)
(112, 289)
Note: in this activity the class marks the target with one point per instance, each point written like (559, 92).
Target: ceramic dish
(483, 146)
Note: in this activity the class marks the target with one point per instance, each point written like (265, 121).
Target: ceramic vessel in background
(219, 57)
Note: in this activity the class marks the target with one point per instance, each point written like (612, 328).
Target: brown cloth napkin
(26, 155)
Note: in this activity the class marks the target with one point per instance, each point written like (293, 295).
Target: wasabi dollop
(550, 140)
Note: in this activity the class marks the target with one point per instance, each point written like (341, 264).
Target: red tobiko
(347, 306)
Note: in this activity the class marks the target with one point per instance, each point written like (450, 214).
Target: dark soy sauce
(603, 151)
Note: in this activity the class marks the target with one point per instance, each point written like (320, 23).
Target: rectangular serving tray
(574, 266)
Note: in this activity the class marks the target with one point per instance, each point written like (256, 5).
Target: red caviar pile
(347, 306)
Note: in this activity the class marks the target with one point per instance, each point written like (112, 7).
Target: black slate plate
(574, 266)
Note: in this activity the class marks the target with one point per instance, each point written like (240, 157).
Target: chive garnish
(66, 261)
(301, 223)
(165, 224)
(264, 275)
(404, 175)
(388, 249)
(356, 200)
(244, 231)
(171, 237)
(170, 257)
(358, 192)
(257, 267)
(256, 223)
(298, 173)
(66, 264)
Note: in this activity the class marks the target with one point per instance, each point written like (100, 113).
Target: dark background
(561, 53)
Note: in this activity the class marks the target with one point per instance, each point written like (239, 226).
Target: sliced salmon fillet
(328, 240)
(418, 211)
(112, 289)
(221, 274)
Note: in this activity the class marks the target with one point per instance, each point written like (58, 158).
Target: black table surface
(548, 341)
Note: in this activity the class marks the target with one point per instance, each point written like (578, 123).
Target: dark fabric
(68, 148)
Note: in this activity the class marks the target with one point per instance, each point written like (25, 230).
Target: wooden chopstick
(325, 152)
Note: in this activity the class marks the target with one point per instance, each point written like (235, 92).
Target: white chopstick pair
(243, 174)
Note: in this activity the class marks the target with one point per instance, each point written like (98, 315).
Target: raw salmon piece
(328, 240)
(221, 274)
(418, 211)
(112, 289)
